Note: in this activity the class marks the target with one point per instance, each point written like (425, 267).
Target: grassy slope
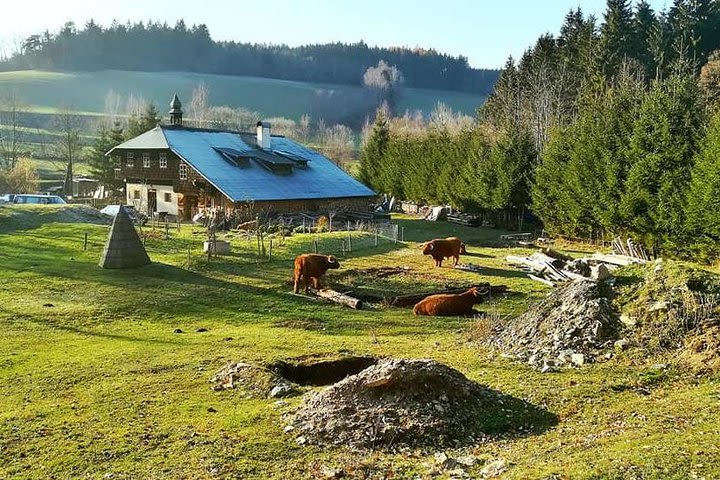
(85, 92)
(99, 384)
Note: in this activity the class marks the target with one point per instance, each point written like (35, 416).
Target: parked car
(38, 199)
(137, 217)
(7, 198)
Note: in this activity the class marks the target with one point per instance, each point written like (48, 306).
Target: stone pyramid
(123, 248)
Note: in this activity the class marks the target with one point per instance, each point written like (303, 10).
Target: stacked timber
(465, 219)
(552, 268)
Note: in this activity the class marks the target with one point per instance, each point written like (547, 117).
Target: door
(152, 201)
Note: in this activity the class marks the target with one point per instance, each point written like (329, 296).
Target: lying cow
(310, 267)
(448, 304)
(441, 249)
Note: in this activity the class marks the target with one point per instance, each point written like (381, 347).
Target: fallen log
(541, 280)
(620, 260)
(337, 297)
(555, 254)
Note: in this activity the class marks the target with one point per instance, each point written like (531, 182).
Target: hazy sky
(486, 31)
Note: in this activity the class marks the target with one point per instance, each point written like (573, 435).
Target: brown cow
(441, 249)
(447, 304)
(310, 267)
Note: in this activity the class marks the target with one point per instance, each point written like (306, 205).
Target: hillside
(43, 91)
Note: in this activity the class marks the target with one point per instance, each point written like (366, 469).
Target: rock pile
(395, 403)
(254, 381)
(570, 327)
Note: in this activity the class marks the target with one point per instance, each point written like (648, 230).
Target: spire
(176, 111)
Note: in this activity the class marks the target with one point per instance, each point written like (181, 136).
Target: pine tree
(663, 143)
(146, 121)
(373, 153)
(616, 35)
(103, 167)
(644, 25)
(703, 201)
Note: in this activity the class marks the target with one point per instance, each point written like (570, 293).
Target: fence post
(315, 244)
(189, 258)
(376, 237)
(402, 233)
(167, 229)
(85, 242)
(349, 242)
(342, 242)
(270, 251)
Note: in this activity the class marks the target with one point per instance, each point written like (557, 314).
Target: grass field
(95, 384)
(84, 92)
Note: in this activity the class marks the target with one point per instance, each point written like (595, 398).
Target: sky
(485, 31)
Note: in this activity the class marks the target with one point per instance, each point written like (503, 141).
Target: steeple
(175, 111)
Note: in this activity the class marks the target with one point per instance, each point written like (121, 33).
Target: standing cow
(440, 249)
(310, 267)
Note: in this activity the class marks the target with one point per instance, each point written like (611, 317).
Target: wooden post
(257, 237)
(189, 258)
(167, 229)
(270, 252)
(402, 233)
(376, 237)
(349, 242)
(85, 242)
(342, 242)
(316, 245)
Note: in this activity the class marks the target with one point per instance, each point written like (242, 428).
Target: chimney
(263, 135)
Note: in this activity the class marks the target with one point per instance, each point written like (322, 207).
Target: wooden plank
(337, 297)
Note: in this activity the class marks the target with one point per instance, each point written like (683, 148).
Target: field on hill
(94, 383)
(85, 92)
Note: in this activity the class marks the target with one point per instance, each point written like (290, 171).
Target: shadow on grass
(512, 417)
(502, 273)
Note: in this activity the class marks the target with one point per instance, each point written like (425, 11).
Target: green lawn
(95, 384)
(85, 92)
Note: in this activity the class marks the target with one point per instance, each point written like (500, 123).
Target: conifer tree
(616, 34)
(102, 167)
(703, 202)
(373, 153)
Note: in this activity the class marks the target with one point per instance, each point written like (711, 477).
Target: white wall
(170, 207)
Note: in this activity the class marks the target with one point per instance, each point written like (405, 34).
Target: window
(163, 160)
(136, 194)
(168, 197)
(146, 160)
(130, 159)
(183, 171)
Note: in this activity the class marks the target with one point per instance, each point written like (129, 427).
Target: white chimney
(263, 135)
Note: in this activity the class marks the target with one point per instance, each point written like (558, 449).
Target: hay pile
(396, 403)
(571, 326)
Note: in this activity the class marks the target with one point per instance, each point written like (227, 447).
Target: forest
(611, 127)
(155, 46)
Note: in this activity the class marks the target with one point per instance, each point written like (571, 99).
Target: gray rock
(282, 390)
(622, 344)
(494, 468)
(600, 272)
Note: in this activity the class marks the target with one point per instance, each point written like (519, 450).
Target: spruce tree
(616, 35)
(645, 24)
(703, 201)
(103, 167)
(146, 121)
(372, 157)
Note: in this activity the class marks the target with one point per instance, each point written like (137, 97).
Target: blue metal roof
(320, 178)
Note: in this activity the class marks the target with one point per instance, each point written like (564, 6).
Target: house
(178, 170)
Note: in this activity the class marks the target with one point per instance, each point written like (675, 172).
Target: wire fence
(191, 246)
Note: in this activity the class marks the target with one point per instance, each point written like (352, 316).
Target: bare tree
(113, 100)
(199, 104)
(11, 134)
(69, 146)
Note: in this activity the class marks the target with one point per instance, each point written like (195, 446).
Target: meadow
(94, 383)
(85, 92)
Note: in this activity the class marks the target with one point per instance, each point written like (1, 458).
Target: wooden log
(620, 260)
(337, 297)
(555, 254)
(541, 280)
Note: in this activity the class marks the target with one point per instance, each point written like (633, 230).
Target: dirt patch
(253, 381)
(571, 326)
(399, 403)
(321, 372)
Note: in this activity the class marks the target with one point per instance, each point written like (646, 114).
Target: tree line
(610, 128)
(155, 46)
